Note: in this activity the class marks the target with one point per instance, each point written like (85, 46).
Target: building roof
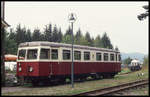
(54, 44)
(4, 23)
(135, 61)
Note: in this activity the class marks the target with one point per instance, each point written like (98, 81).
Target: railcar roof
(54, 44)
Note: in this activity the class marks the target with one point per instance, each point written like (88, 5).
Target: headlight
(19, 64)
(20, 69)
(31, 69)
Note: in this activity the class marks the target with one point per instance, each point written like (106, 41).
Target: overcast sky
(117, 19)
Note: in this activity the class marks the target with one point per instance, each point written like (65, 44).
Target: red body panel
(64, 68)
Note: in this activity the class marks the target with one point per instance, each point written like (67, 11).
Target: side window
(86, 55)
(111, 57)
(21, 55)
(66, 54)
(45, 53)
(116, 57)
(119, 57)
(54, 53)
(105, 56)
(98, 56)
(32, 54)
(77, 55)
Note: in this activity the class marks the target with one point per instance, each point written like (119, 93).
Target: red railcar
(49, 61)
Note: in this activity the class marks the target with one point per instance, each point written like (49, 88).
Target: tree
(98, 42)
(83, 41)
(11, 46)
(88, 38)
(144, 15)
(12, 34)
(42, 37)
(10, 43)
(67, 39)
(28, 36)
(48, 33)
(20, 34)
(36, 35)
(77, 38)
(55, 34)
(127, 60)
(92, 42)
(106, 43)
(60, 35)
(145, 62)
(68, 31)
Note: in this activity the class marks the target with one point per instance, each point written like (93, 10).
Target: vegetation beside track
(139, 91)
(80, 87)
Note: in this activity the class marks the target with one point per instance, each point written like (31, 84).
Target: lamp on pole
(72, 19)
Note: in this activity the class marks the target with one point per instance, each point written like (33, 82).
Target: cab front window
(32, 54)
(21, 55)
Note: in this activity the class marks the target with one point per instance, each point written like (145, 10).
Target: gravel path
(13, 89)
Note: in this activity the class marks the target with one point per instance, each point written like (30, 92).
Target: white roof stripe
(54, 44)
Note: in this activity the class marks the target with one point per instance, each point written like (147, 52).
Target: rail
(113, 89)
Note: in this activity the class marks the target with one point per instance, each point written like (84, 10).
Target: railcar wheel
(35, 83)
(82, 79)
(20, 81)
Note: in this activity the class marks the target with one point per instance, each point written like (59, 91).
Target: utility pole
(72, 19)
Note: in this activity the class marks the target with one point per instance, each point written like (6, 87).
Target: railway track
(114, 89)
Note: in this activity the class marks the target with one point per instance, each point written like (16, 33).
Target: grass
(80, 87)
(139, 91)
(124, 70)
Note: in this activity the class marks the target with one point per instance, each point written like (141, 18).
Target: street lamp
(72, 19)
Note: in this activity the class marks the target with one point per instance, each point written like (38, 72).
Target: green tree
(68, 31)
(12, 34)
(11, 44)
(106, 43)
(83, 41)
(36, 35)
(55, 34)
(146, 61)
(20, 34)
(67, 39)
(98, 42)
(42, 37)
(77, 37)
(88, 38)
(60, 35)
(28, 36)
(127, 60)
(48, 32)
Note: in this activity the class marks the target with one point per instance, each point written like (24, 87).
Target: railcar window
(54, 53)
(21, 55)
(45, 53)
(116, 57)
(77, 55)
(119, 57)
(105, 56)
(86, 55)
(32, 54)
(98, 57)
(111, 57)
(66, 54)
